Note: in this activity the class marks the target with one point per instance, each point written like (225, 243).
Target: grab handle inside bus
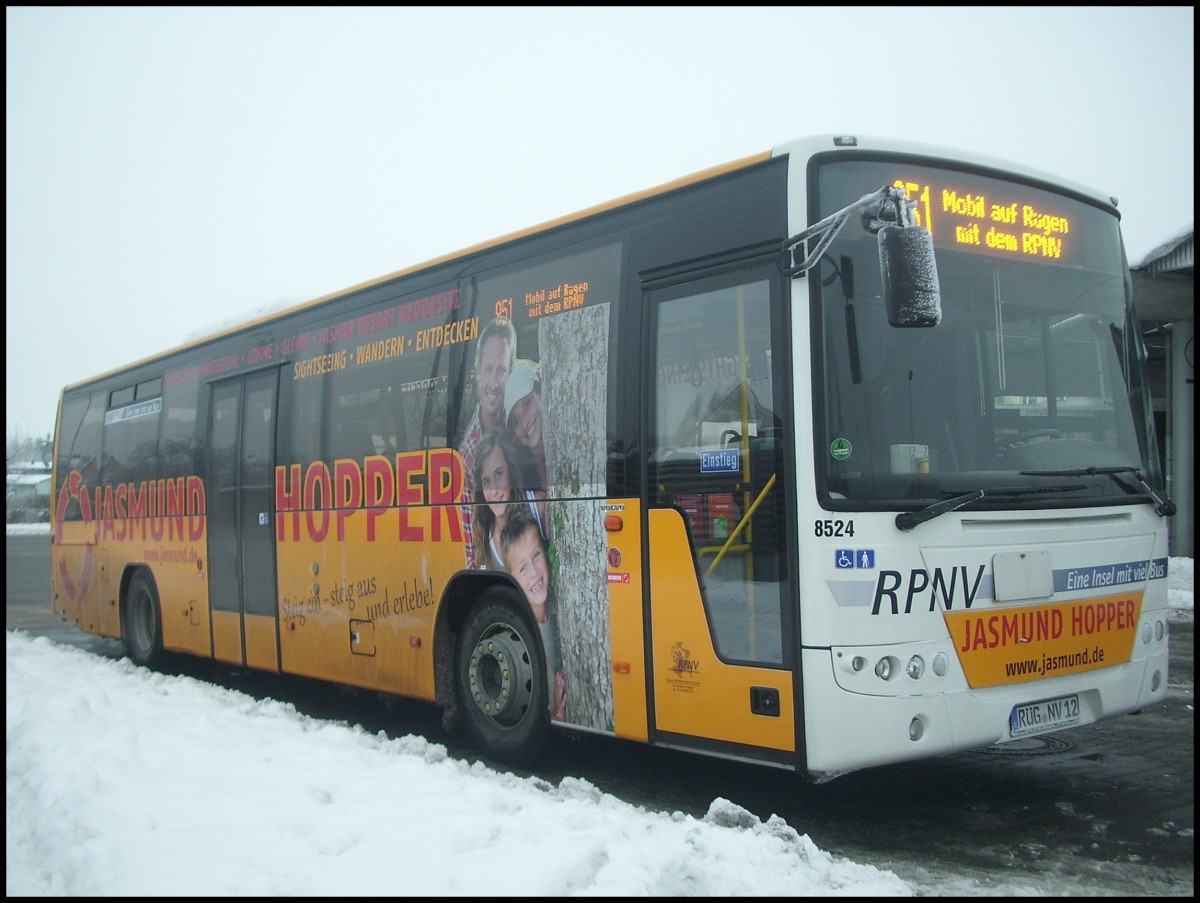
(741, 525)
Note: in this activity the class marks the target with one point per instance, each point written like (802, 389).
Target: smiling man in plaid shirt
(495, 353)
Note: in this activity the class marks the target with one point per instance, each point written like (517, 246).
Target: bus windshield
(1028, 386)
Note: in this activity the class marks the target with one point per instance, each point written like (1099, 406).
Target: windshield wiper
(906, 520)
(1162, 506)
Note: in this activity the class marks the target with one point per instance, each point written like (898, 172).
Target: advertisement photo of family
(536, 426)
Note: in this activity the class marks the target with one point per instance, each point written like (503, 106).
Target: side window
(306, 399)
(392, 396)
(716, 454)
(354, 423)
(79, 435)
(131, 435)
(177, 429)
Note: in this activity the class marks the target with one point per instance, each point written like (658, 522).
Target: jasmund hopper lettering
(425, 489)
(988, 631)
(166, 509)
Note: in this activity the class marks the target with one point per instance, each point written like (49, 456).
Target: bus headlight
(915, 668)
(886, 667)
(941, 664)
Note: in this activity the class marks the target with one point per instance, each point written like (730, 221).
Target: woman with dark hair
(497, 481)
(523, 415)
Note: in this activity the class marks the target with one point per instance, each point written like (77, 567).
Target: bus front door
(721, 659)
(241, 467)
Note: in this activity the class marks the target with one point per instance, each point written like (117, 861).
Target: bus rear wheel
(500, 676)
(141, 621)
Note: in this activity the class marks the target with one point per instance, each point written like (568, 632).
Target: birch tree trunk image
(574, 349)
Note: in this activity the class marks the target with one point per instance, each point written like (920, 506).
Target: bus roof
(804, 146)
(622, 201)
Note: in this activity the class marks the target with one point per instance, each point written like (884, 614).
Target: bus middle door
(241, 467)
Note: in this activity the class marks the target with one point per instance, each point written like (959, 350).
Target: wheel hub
(500, 676)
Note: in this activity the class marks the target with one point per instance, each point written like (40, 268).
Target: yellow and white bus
(835, 456)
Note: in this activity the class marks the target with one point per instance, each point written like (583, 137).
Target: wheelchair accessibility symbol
(845, 559)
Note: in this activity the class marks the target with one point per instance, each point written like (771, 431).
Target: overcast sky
(167, 169)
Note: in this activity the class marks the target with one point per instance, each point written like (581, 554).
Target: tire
(500, 678)
(141, 622)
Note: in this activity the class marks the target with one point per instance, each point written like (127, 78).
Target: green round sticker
(840, 449)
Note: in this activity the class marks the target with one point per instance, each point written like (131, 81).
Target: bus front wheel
(500, 673)
(141, 621)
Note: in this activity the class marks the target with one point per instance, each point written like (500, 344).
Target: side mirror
(910, 279)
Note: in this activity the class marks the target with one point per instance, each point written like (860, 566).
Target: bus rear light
(620, 667)
(613, 522)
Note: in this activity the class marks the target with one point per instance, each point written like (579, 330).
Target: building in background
(27, 493)
(1164, 292)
